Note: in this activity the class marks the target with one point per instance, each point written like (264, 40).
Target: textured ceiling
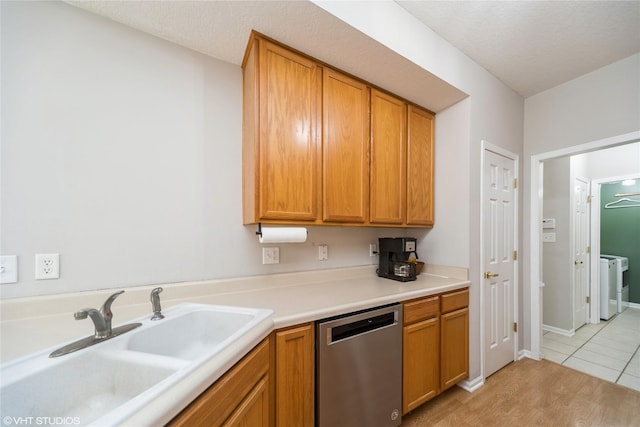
(530, 45)
(221, 29)
(535, 45)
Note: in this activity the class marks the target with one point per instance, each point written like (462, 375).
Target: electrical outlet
(373, 249)
(323, 252)
(271, 255)
(47, 266)
(8, 269)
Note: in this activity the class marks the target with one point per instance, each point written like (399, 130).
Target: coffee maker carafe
(394, 258)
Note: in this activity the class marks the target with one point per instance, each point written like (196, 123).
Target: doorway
(535, 230)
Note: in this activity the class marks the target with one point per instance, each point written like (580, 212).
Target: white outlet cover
(323, 252)
(8, 269)
(47, 266)
(271, 255)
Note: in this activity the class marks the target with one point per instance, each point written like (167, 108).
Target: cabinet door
(295, 376)
(419, 167)
(239, 396)
(388, 159)
(454, 348)
(254, 410)
(289, 148)
(345, 148)
(420, 366)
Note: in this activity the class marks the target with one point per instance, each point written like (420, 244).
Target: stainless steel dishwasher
(359, 369)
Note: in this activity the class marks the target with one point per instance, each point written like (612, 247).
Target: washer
(608, 292)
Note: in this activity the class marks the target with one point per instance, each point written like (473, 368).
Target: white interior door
(580, 252)
(499, 213)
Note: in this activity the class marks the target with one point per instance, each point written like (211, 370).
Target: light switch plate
(8, 269)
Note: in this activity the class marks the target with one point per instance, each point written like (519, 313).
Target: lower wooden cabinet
(239, 398)
(435, 351)
(295, 376)
(454, 348)
(420, 379)
(454, 342)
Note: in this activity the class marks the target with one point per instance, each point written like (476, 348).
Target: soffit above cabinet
(221, 29)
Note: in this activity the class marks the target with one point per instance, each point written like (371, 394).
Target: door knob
(576, 262)
(489, 275)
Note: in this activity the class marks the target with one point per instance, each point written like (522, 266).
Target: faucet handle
(106, 307)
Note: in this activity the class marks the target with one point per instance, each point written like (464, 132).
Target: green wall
(620, 233)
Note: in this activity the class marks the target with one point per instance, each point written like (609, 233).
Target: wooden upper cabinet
(388, 159)
(419, 167)
(345, 148)
(320, 147)
(281, 145)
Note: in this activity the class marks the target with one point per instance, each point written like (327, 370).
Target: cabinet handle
(489, 275)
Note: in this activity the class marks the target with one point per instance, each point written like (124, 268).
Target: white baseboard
(471, 385)
(527, 353)
(631, 305)
(565, 332)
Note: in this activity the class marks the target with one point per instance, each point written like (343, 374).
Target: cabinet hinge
(515, 255)
(515, 326)
(515, 183)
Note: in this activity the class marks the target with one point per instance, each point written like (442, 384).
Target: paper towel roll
(283, 235)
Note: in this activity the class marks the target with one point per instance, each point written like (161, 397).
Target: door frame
(535, 228)
(596, 186)
(487, 146)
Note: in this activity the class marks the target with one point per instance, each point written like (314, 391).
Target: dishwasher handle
(359, 327)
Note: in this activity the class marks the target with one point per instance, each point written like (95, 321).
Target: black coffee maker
(394, 255)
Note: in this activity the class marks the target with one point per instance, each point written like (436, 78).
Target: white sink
(112, 381)
(83, 387)
(191, 335)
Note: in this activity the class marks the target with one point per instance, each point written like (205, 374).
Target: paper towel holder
(277, 238)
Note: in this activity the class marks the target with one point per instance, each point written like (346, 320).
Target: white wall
(448, 242)
(557, 277)
(612, 162)
(122, 152)
(599, 105)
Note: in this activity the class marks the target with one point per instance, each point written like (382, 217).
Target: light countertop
(29, 325)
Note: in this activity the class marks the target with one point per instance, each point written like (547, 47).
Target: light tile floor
(609, 350)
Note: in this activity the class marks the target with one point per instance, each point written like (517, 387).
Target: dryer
(622, 291)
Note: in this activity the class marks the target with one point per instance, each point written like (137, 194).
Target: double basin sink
(108, 383)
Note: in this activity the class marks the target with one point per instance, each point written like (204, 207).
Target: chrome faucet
(155, 304)
(101, 318)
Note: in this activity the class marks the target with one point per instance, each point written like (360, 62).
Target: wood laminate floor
(533, 393)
